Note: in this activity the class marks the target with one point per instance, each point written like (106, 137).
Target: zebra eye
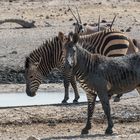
(31, 77)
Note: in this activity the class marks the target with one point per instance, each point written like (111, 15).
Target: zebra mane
(27, 61)
(36, 54)
(87, 53)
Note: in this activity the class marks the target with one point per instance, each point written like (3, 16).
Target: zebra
(41, 61)
(105, 75)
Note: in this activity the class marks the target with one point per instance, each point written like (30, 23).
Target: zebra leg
(91, 104)
(103, 96)
(74, 85)
(117, 98)
(66, 86)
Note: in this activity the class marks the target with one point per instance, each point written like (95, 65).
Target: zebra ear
(37, 63)
(61, 36)
(75, 38)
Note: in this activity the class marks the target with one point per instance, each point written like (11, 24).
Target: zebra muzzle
(29, 93)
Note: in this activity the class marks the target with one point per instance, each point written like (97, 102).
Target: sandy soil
(61, 122)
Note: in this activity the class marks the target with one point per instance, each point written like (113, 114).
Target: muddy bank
(10, 75)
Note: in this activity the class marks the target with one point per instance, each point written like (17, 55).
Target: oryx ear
(75, 38)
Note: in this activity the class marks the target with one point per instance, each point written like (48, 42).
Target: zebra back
(109, 42)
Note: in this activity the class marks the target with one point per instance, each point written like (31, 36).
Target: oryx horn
(78, 15)
(99, 23)
(113, 21)
(73, 15)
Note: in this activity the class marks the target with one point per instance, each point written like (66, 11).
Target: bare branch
(23, 23)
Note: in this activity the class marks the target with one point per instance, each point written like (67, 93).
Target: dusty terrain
(66, 121)
(60, 122)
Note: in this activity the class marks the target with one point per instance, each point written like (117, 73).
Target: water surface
(42, 98)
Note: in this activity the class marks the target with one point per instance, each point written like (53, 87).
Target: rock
(13, 52)
(122, 30)
(129, 29)
(103, 21)
(70, 19)
(47, 17)
(32, 138)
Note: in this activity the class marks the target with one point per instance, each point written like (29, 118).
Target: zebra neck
(52, 59)
(84, 64)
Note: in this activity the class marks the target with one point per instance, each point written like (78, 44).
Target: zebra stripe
(106, 42)
(50, 55)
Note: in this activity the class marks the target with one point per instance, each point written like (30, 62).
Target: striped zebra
(106, 75)
(86, 30)
(42, 60)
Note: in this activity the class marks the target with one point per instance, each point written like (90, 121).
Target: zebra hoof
(64, 102)
(116, 99)
(108, 131)
(75, 101)
(84, 131)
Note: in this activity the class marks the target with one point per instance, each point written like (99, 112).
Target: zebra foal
(105, 75)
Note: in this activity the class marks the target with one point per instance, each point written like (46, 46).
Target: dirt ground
(66, 121)
(61, 121)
